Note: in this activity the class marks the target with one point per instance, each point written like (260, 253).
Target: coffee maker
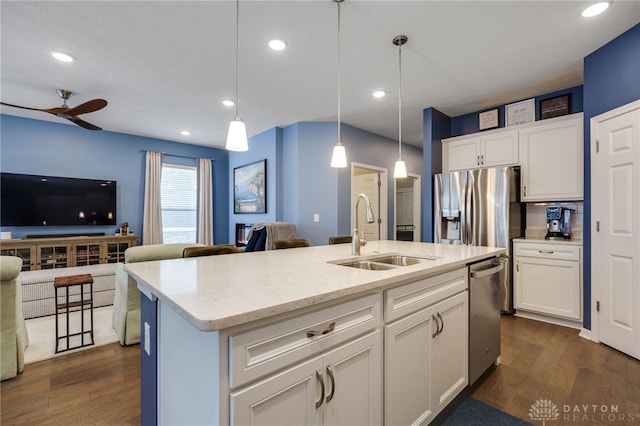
(558, 223)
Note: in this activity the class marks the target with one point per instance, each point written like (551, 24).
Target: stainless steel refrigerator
(481, 207)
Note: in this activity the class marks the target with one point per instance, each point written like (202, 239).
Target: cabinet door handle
(313, 333)
(525, 190)
(441, 322)
(333, 383)
(435, 333)
(321, 380)
(482, 159)
(478, 160)
(518, 266)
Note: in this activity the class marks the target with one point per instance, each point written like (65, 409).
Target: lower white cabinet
(426, 360)
(548, 279)
(340, 387)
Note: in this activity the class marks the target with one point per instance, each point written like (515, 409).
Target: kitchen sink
(384, 262)
(399, 260)
(367, 264)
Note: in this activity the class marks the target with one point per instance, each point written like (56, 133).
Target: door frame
(417, 206)
(384, 197)
(594, 333)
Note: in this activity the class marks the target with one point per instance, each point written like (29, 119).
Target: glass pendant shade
(339, 157)
(400, 170)
(237, 136)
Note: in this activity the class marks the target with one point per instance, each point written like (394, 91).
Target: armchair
(13, 337)
(126, 304)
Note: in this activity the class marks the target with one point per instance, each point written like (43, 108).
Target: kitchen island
(295, 337)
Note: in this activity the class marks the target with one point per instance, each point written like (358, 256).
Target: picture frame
(250, 188)
(555, 107)
(520, 112)
(488, 119)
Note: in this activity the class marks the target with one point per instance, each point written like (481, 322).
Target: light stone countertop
(217, 292)
(541, 240)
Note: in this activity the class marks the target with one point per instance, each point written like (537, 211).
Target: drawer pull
(321, 380)
(545, 251)
(314, 333)
(333, 383)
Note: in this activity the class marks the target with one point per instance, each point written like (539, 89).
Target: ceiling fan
(70, 114)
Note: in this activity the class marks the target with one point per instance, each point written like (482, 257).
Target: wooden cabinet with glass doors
(62, 252)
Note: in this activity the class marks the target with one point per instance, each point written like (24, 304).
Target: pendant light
(400, 170)
(237, 135)
(339, 157)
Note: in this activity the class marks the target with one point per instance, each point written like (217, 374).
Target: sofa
(126, 303)
(13, 337)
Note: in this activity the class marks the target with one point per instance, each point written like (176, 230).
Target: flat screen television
(36, 200)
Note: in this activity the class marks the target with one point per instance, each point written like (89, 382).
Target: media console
(52, 252)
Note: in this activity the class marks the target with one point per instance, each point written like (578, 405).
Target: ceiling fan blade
(89, 106)
(84, 124)
(21, 107)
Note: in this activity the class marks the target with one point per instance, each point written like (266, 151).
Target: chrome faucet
(356, 242)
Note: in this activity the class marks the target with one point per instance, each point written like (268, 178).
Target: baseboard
(552, 320)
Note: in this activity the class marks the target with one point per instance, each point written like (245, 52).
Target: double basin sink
(385, 262)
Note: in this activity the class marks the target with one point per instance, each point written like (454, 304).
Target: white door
(367, 184)
(615, 247)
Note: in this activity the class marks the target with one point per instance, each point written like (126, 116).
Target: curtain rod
(176, 155)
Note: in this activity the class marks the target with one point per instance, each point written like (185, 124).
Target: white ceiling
(167, 65)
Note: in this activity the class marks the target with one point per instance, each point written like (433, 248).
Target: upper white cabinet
(551, 160)
(495, 148)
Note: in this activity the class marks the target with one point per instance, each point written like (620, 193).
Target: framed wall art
(555, 107)
(488, 119)
(250, 188)
(520, 112)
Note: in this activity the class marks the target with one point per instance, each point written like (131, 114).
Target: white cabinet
(551, 159)
(426, 352)
(495, 148)
(341, 387)
(548, 280)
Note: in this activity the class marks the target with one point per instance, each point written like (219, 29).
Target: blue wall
(40, 147)
(468, 123)
(306, 184)
(611, 79)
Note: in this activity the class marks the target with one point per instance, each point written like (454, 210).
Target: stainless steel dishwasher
(485, 280)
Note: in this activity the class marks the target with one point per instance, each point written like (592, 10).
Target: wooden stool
(67, 282)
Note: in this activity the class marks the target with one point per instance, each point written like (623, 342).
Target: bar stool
(66, 283)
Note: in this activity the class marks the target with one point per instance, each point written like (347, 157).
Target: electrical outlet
(316, 217)
(147, 338)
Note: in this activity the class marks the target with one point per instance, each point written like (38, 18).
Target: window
(179, 202)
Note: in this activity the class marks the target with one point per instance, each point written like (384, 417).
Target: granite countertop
(217, 292)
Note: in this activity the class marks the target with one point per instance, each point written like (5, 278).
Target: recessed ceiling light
(185, 132)
(379, 94)
(277, 44)
(62, 57)
(595, 9)
(228, 102)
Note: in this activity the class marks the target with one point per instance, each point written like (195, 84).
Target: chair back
(286, 244)
(343, 239)
(210, 250)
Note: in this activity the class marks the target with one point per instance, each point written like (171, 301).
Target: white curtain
(152, 220)
(205, 203)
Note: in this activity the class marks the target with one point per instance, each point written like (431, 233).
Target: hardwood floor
(539, 361)
(96, 386)
(542, 361)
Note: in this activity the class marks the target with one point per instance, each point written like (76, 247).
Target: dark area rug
(467, 411)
